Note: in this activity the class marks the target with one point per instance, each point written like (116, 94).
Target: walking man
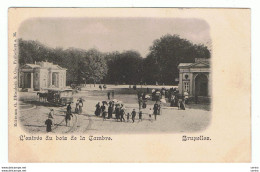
(113, 94)
(108, 95)
(122, 113)
(155, 110)
(133, 115)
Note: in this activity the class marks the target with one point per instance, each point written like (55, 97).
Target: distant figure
(108, 95)
(186, 97)
(80, 106)
(155, 110)
(140, 102)
(140, 116)
(69, 108)
(98, 109)
(51, 116)
(117, 111)
(104, 86)
(110, 111)
(77, 107)
(103, 108)
(122, 113)
(48, 124)
(147, 90)
(133, 115)
(150, 114)
(68, 118)
(104, 114)
(113, 94)
(128, 117)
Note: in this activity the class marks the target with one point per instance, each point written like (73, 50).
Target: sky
(112, 34)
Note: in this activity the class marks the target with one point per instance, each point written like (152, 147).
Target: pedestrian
(69, 108)
(140, 103)
(103, 108)
(186, 97)
(150, 114)
(122, 113)
(48, 124)
(104, 114)
(140, 116)
(108, 95)
(128, 117)
(80, 106)
(117, 111)
(51, 116)
(110, 111)
(155, 110)
(113, 94)
(98, 109)
(133, 115)
(77, 107)
(68, 118)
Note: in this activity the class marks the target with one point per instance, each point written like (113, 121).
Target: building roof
(184, 64)
(43, 65)
(200, 64)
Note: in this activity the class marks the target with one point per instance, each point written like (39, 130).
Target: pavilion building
(195, 78)
(35, 77)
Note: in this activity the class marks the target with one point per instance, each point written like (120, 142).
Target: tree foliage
(165, 55)
(128, 67)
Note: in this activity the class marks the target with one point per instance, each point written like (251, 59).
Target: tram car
(59, 96)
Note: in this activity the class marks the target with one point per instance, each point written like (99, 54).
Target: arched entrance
(27, 80)
(55, 79)
(201, 85)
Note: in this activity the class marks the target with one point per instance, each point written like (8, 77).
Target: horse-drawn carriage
(58, 96)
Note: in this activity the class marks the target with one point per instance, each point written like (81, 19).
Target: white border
(255, 61)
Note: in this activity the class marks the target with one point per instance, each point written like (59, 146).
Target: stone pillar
(32, 81)
(191, 84)
(180, 82)
(50, 79)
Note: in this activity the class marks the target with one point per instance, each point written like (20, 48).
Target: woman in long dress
(80, 106)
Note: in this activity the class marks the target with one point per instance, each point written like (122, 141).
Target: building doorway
(201, 85)
(27, 80)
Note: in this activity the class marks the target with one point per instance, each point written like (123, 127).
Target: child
(128, 117)
(140, 116)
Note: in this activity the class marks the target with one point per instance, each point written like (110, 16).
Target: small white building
(195, 78)
(40, 75)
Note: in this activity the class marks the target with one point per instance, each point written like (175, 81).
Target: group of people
(106, 111)
(68, 116)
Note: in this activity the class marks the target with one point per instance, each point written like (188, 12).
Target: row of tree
(93, 66)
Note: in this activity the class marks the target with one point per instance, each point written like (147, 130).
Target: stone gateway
(195, 78)
(35, 77)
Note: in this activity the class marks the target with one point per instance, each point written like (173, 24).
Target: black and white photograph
(129, 85)
(114, 75)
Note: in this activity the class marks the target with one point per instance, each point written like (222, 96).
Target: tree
(125, 67)
(93, 66)
(165, 55)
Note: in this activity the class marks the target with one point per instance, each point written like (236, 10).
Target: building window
(186, 86)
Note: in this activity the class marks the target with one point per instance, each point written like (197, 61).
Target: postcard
(129, 85)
